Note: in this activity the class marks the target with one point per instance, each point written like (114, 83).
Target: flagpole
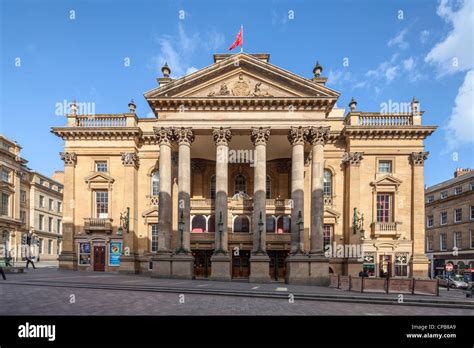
(242, 46)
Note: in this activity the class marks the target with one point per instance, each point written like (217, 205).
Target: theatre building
(245, 171)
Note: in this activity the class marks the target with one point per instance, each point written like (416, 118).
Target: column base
(161, 266)
(182, 266)
(68, 260)
(318, 270)
(220, 267)
(259, 269)
(128, 265)
(419, 266)
(297, 269)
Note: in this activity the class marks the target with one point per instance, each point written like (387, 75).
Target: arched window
(269, 187)
(240, 184)
(241, 224)
(270, 225)
(155, 183)
(199, 224)
(213, 187)
(211, 224)
(327, 182)
(284, 224)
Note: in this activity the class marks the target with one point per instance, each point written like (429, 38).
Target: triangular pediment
(243, 76)
(99, 178)
(153, 211)
(386, 180)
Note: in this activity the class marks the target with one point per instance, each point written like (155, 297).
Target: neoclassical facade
(246, 171)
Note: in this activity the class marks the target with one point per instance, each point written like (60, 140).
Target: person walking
(29, 260)
(3, 273)
(8, 258)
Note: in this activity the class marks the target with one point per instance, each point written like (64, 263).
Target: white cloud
(391, 73)
(409, 64)
(386, 70)
(337, 77)
(424, 35)
(460, 128)
(455, 53)
(399, 40)
(177, 51)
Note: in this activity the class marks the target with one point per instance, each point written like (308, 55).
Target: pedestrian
(8, 258)
(361, 274)
(3, 273)
(28, 261)
(365, 273)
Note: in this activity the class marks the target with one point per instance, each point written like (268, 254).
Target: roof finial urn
(352, 104)
(317, 70)
(132, 106)
(166, 70)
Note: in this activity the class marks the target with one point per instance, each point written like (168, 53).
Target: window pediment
(330, 215)
(386, 182)
(99, 180)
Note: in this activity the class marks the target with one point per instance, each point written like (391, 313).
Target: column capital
(418, 158)
(296, 135)
(260, 135)
(184, 136)
(69, 158)
(222, 135)
(352, 158)
(164, 136)
(317, 135)
(130, 159)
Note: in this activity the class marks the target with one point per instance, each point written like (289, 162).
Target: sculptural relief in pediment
(242, 87)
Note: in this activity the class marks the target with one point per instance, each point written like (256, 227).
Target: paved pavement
(50, 292)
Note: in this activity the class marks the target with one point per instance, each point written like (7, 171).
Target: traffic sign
(449, 267)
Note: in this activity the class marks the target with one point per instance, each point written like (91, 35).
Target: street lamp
(260, 231)
(299, 223)
(220, 225)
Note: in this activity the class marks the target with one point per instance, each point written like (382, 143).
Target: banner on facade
(114, 254)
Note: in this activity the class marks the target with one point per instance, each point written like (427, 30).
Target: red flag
(239, 40)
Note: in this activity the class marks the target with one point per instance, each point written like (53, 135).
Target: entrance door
(202, 263)
(99, 258)
(385, 265)
(277, 264)
(240, 264)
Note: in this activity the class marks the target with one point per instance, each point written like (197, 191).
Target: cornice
(377, 132)
(97, 133)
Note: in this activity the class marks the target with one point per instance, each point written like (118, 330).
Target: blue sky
(375, 51)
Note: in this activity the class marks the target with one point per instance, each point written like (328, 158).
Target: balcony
(98, 225)
(386, 229)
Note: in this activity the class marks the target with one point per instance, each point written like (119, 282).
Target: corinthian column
(296, 139)
(220, 260)
(419, 261)
(317, 137)
(164, 137)
(184, 138)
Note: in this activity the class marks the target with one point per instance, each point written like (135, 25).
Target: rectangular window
(429, 243)
(23, 216)
(154, 238)
(472, 212)
(40, 245)
(102, 204)
(58, 231)
(41, 222)
(458, 215)
(443, 241)
(5, 175)
(4, 207)
(429, 221)
(429, 199)
(458, 190)
(457, 240)
(443, 194)
(471, 232)
(41, 202)
(327, 236)
(472, 186)
(101, 166)
(401, 265)
(385, 166)
(23, 196)
(50, 246)
(444, 218)
(50, 224)
(84, 254)
(51, 204)
(384, 207)
(60, 207)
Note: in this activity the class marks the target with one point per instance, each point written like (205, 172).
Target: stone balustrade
(386, 229)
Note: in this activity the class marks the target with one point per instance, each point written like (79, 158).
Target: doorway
(385, 264)
(277, 264)
(99, 258)
(241, 265)
(202, 263)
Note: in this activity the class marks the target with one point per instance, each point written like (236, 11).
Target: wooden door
(277, 264)
(202, 263)
(99, 258)
(241, 265)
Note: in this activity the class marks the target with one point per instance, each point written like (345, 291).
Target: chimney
(462, 171)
